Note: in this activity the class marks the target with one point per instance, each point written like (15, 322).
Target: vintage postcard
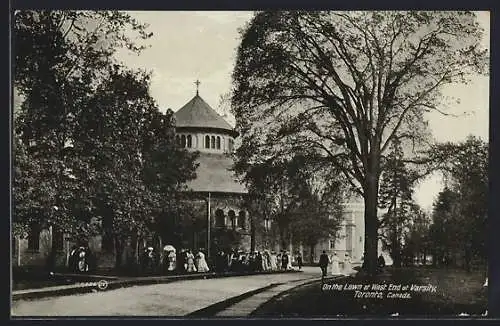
(219, 164)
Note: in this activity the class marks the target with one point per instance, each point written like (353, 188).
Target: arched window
(189, 141)
(207, 141)
(213, 141)
(267, 224)
(232, 219)
(242, 219)
(178, 140)
(183, 141)
(218, 142)
(219, 218)
(230, 144)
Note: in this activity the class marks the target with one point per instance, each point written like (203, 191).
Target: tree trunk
(252, 234)
(137, 256)
(371, 223)
(312, 252)
(396, 248)
(282, 237)
(118, 253)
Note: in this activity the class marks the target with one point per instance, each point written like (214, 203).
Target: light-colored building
(351, 236)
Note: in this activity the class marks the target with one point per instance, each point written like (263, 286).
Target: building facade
(216, 192)
(351, 237)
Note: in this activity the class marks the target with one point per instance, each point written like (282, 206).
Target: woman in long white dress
(289, 261)
(201, 265)
(190, 262)
(335, 264)
(347, 265)
(171, 259)
(265, 261)
(274, 262)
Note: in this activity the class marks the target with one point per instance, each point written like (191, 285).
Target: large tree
(129, 146)
(346, 84)
(90, 140)
(59, 59)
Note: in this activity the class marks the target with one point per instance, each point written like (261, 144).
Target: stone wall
(23, 256)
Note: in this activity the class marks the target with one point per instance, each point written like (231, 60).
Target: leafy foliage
(297, 198)
(92, 151)
(345, 84)
(396, 192)
(460, 212)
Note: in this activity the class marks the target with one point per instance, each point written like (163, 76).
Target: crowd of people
(257, 261)
(185, 261)
(171, 261)
(335, 265)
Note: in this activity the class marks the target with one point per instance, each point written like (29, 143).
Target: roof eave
(231, 132)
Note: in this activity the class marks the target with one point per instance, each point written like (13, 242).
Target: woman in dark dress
(299, 260)
(284, 260)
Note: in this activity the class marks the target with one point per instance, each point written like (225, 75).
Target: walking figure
(299, 261)
(381, 263)
(323, 263)
(335, 265)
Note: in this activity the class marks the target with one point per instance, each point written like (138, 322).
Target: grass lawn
(451, 292)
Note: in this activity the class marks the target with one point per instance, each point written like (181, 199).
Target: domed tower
(215, 191)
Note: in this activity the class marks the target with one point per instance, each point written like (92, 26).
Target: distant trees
(455, 233)
(93, 154)
(396, 192)
(345, 84)
(296, 198)
(444, 233)
(416, 243)
(460, 211)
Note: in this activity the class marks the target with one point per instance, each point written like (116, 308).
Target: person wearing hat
(273, 264)
(335, 264)
(299, 261)
(347, 265)
(284, 260)
(201, 263)
(323, 262)
(191, 268)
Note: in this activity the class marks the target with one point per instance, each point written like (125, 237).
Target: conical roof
(197, 113)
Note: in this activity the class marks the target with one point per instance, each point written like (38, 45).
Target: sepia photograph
(249, 164)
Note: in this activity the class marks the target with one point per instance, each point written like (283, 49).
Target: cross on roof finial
(197, 82)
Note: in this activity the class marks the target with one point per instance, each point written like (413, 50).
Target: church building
(216, 192)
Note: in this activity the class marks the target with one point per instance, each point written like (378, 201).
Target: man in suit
(323, 262)
(299, 260)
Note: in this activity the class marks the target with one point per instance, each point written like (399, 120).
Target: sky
(194, 45)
